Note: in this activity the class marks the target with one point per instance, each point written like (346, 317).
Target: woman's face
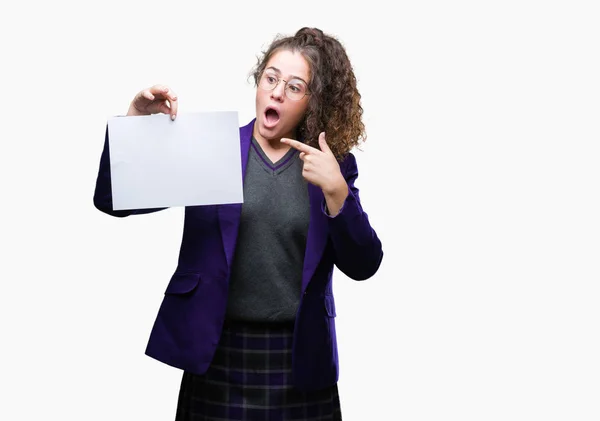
(277, 115)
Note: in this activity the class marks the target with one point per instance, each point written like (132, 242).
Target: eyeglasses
(295, 89)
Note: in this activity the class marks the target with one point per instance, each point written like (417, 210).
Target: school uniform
(249, 313)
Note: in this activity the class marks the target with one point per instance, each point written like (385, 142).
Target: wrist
(336, 188)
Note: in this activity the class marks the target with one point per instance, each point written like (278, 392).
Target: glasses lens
(296, 89)
(268, 81)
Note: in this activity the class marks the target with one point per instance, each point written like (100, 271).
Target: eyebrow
(279, 72)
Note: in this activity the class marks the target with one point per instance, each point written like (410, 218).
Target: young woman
(248, 314)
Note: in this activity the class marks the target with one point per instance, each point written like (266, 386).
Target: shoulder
(246, 131)
(348, 163)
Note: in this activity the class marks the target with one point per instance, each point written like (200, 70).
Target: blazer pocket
(183, 283)
(330, 305)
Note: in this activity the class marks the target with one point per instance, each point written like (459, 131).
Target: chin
(275, 133)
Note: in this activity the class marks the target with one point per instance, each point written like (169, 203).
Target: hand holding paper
(154, 100)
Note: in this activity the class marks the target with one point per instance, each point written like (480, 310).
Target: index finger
(302, 147)
(173, 103)
(167, 93)
(163, 91)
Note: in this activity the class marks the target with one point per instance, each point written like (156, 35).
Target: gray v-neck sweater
(267, 268)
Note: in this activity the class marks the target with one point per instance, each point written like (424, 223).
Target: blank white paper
(156, 162)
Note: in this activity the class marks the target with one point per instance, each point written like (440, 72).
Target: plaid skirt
(250, 379)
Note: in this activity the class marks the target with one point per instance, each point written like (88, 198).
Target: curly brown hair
(334, 104)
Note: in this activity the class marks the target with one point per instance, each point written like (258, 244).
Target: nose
(279, 92)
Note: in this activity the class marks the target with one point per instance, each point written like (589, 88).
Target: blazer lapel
(229, 215)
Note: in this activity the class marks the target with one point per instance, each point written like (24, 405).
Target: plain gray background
(480, 174)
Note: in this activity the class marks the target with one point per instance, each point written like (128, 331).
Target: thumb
(323, 143)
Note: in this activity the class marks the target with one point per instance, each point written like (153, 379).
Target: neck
(273, 143)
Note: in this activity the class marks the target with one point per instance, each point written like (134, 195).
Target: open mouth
(271, 117)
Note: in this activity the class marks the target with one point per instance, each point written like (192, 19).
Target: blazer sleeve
(358, 251)
(103, 193)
